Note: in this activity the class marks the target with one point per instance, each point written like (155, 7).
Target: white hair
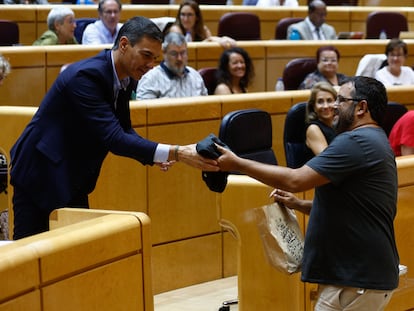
(58, 14)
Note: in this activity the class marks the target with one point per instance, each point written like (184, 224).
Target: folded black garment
(216, 181)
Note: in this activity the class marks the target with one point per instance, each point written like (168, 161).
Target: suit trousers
(337, 298)
(30, 219)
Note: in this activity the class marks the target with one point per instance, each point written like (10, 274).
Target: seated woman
(61, 24)
(189, 22)
(319, 134)
(319, 118)
(395, 73)
(327, 58)
(234, 73)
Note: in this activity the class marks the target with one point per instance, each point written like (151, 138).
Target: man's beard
(177, 70)
(344, 120)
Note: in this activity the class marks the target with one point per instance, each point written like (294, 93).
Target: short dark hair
(315, 4)
(374, 92)
(102, 2)
(327, 48)
(396, 43)
(137, 28)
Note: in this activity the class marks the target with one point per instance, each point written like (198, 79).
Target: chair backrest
(391, 22)
(81, 24)
(294, 136)
(9, 33)
(248, 132)
(393, 113)
(239, 26)
(209, 76)
(370, 64)
(282, 26)
(296, 70)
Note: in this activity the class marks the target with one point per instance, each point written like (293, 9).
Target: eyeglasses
(340, 99)
(396, 55)
(175, 53)
(186, 14)
(109, 12)
(329, 60)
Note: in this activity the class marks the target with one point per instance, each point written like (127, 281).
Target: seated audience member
(189, 21)
(314, 26)
(319, 118)
(172, 78)
(267, 3)
(235, 72)
(327, 58)
(105, 29)
(395, 73)
(319, 134)
(402, 135)
(61, 23)
(5, 68)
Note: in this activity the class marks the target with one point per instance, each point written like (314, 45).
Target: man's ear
(363, 106)
(123, 43)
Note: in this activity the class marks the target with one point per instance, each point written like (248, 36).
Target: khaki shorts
(337, 298)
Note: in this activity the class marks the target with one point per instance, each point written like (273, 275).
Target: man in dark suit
(85, 114)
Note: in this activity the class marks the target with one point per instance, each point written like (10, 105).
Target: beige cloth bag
(281, 236)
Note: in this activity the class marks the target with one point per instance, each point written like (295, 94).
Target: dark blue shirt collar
(169, 73)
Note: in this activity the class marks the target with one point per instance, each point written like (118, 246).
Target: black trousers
(30, 219)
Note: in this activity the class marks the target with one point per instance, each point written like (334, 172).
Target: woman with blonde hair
(319, 117)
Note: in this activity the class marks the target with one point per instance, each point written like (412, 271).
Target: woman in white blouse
(395, 73)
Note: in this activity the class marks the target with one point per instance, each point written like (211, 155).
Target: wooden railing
(34, 69)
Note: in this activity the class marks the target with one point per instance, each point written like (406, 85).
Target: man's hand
(228, 159)
(188, 155)
(164, 166)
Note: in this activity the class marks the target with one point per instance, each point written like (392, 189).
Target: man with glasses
(350, 248)
(85, 114)
(172, 78)
(105, 29)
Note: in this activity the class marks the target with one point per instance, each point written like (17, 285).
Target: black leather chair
(296, 70)
(9, 33)
(239, 26)
(393, 113)
(248, 132)
(294, 136)
(391, 22)
(283, 25)
(209, 76)
(81, 24)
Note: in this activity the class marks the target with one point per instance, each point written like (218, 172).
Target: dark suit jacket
(60, 153)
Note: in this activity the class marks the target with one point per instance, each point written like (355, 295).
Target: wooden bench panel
(37, 67)
(108, 248)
